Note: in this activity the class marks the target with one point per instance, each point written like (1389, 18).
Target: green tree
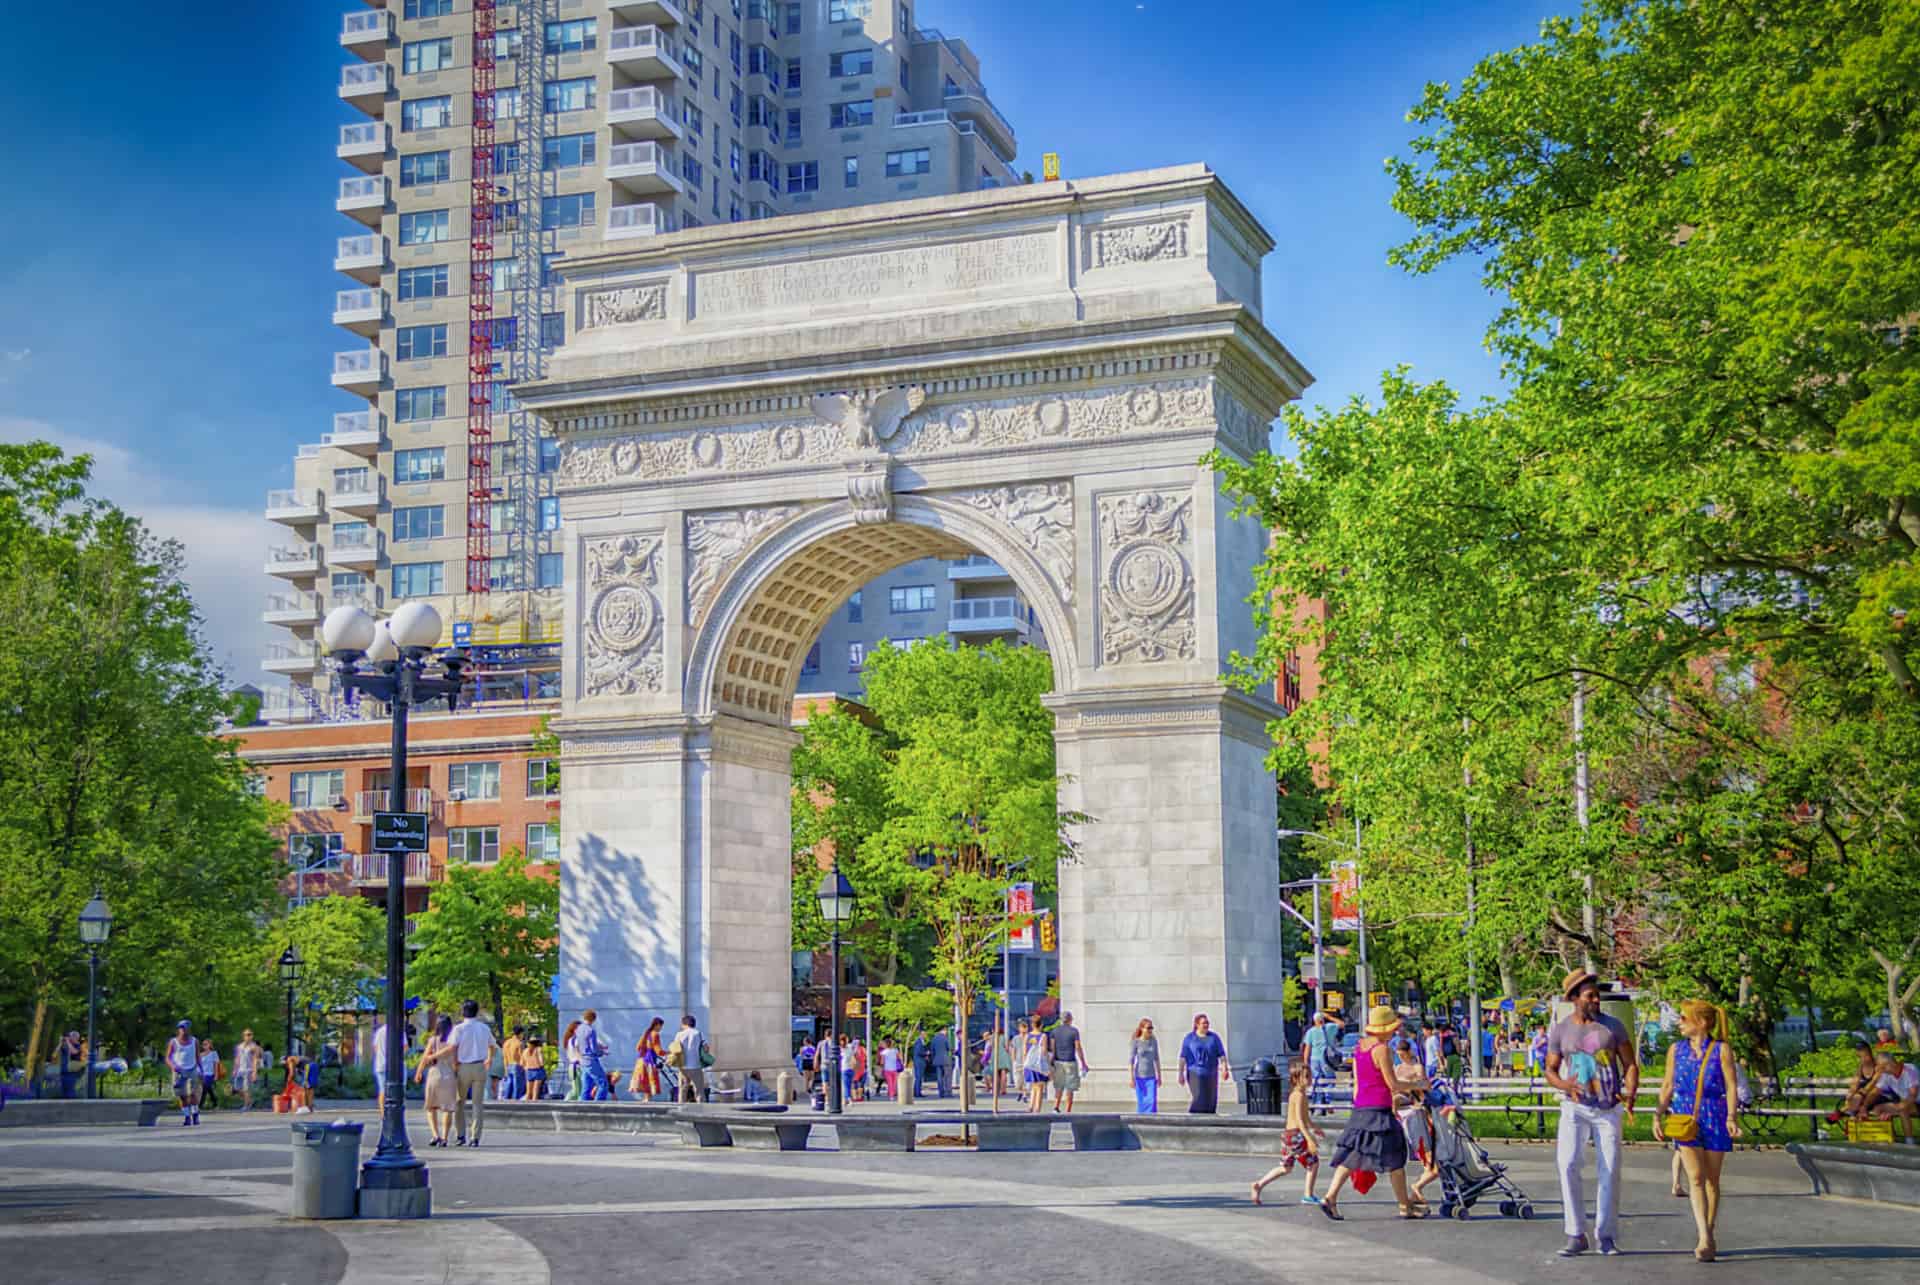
(343, 950)
(489, 930)
(901, 1012)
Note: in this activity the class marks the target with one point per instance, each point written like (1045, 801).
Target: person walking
(1300, 1143)
(569, 1061)
(247, 1061)
(1590, 1060)
(473, 1045)
(694, 1056)
(1693, 1112)
(1036, 1065)
(920, 1051)
(183, 1059)
(533, 1061)
(590, 1049)
(210, 1069)
(1203, 1065)
(72, 1063)
(999, 1060)
(1373, 1140)
(890, 1065)
(1143, 1057)
(436, 1070)
(513, 1085)
(1069, 1052)
(380, 1064)
(645, 1083)
(1319, 1045)
(941, 1046)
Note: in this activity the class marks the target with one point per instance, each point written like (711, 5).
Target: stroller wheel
(1460, 1212)
(1508, 1209)
(1526, 1209)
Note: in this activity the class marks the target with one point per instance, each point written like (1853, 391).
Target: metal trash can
(1263, 1089)
(326, 1169)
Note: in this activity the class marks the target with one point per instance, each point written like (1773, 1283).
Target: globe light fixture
(347, 628)
(384, 649)
(415, 625)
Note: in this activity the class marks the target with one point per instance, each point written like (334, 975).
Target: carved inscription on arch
(858, 278)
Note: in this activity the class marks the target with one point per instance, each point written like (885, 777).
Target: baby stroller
(1467, 1174)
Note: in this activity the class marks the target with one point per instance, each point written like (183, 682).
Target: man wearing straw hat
(1591, 1108)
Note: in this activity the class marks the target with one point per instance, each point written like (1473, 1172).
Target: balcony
(976, 568)
(293, 561)
(365, 35)
(367, 597)
(297, 507)
(292, 609)
(633, 220)
(644, 112)
(977, 110)
(645, 169)
(359, 493)
(355, 548)
(360, 311)
(370, 868)
(368, 802)
(988, 616)
(365, 85)
(658, 12)
(291, 658)
(361, 257)
(359, 370)
(363, 197)
(364, 146)
(645, 53)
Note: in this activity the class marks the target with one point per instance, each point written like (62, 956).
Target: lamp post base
(395, 1192)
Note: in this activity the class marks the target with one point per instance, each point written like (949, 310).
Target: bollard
(784, 1090)
(903, 1092)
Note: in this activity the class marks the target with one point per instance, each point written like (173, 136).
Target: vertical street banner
(1020, 919)
(1346, 897)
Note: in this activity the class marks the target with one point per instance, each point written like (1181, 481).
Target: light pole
(290, 963)
(836, 897)
(96, 921)
(1319, 960)
(394, 1182)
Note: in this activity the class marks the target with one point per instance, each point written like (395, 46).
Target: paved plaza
(167, 1204)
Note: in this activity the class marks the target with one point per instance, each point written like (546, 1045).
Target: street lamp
(290, 963)
(400, 651)
(96, 922)
(836, 897)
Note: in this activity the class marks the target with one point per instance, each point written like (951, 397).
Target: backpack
(706, 1053)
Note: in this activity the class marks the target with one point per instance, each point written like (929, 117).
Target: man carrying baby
(1594, 1094)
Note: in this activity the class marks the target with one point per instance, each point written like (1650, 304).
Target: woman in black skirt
(1372, 1140)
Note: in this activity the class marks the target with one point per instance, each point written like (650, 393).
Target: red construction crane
(480, 309)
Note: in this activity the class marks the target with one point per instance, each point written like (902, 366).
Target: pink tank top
(1370, 1090)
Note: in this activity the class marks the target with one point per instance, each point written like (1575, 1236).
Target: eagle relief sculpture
(869, 417)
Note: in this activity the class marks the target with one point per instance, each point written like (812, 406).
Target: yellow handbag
(1686, 1128)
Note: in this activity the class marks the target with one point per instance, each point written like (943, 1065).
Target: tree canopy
(490, 933)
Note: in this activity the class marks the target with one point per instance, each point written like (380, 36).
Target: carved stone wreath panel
(717, 542)
(1146, 578)
(624, 630)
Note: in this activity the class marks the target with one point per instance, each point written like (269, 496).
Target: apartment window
(549, 513)
(793, 125)
(420, 522)
(692, 118)
(506, 158)
(804, 177)
(415, 343)
(572, 35)
(312, 851)
(427, 9)
(853, 171)
(736, 104)
(567, 151)
(543, 778)
(505, 330)
(793, 76)
(904, 68)
(348, 582)
(763, 168)
(793, 19)
(916, 160)
(733, 49)
(353, 481)
(851, 62)
(502, 515)
(422, 227)
(761, 62)
(420, 403)
(694, 62)
(506, 277)
(478, 781)
(762, 112)
(419, 579)
(856, 656)
(811, 665)
(421, 464)
(853, 114)
(549, 455)
(543, 841)
(552, 571)
(422, 168)
(853, 608)
(571, 211)
(500, 398)
(692, 171)
(506, 44)
(913, 597)
(734, 213)
(316, 789)
(426, 113)
(576, 95)
(477, 845)
(849, 10)
(506, 103)
(429, 282)
(501, 576)
(426, 55)
(553, 329)
(548, 259)
(733, 160)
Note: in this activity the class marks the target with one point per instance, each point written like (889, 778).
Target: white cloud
(225, 548)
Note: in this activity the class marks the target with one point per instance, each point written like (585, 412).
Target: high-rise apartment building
(473, 170)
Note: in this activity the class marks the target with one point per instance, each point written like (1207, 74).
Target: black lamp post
(96, 921)
(393, 1183)
(290, 963)
(836, 898)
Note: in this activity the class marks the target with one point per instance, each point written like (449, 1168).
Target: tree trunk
(499, 1004)
(33, 1039)
(1897, 1022)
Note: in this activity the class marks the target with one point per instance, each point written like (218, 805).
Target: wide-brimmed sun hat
(1574, 980)
(1382, 1020)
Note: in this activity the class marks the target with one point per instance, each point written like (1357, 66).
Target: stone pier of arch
(758, 418)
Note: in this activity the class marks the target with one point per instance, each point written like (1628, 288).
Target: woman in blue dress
(1700, 1073)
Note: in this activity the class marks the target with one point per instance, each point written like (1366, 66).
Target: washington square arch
(756, 419)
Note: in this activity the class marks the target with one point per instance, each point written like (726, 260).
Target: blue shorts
(184, 1083)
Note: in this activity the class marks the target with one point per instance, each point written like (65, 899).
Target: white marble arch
(757, 419)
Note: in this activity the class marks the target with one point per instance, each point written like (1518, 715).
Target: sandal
(1326, 1207)
(1410, 1211)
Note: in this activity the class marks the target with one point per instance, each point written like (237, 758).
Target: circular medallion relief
(1053, 417)
(1147, 577)
(706, 449)
(626, 457)
(963, 425)
(1193, 402)
(1144, 403)
(624, 616)
(789, 442)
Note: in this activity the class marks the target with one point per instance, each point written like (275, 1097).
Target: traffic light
(856, 1006)
(1048, 937)
(1379, 999)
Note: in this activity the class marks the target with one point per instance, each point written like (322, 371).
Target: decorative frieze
(1041, 515)
(716, 542)
(1117, 245)
(1146, 584)
(624, 632)
(624, 306)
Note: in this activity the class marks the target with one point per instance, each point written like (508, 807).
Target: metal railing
(933, 117)
(371, 867)
(357, 301)
(364, 78)
(293, 500)
(356, 421)
(281, 554)
(363, 134)
(643, 98)
(358, 361)
(368, 599)
(355, 539)
(356, 484)
(363, 187)
(639, 40)
(368, 802)
(988, 608)
(633, 218)
(291, 603)
(357, 247)
(365, 24)
(623, 154)
(300, 651)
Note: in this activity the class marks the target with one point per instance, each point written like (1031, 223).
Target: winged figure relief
(871, 416)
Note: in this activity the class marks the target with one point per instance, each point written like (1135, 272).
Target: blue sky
(167, 280)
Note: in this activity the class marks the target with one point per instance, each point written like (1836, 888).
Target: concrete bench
(876, 1133)
(582, 1117)
(1861, 1170)
(23, 1113)
(1103, 1133)
(1234, 1135)
(770, 1134)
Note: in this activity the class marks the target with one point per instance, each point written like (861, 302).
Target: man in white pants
(1590, 1060)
